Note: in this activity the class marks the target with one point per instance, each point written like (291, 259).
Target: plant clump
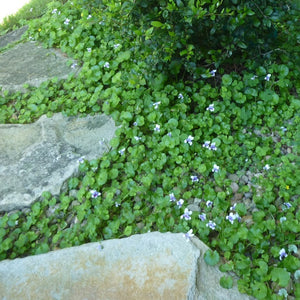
(206, 97)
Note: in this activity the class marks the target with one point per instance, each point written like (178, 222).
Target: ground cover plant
(208, 143)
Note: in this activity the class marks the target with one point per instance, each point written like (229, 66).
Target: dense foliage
(206, 94)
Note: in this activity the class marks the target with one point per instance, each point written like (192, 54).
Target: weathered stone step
(147, 266)
(41, 156)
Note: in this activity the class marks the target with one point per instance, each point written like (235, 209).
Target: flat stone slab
(30, 63)
(42, 156)
(147, 266)
(12, 36)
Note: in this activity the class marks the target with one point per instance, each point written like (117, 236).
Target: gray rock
(12, 37)
(30, 63)
(234, 186)
(233, 177)
(42, 156)
(147, 266)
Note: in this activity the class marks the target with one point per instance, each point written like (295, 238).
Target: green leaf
(102, 177)
(260, 290)
(123, 56)
(281, 276)
(226, 80)
(226, 282)
(73, 183)
(128, 230)
(156, 24)
(211, 257)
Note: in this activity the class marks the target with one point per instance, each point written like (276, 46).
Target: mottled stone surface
(12, 36)
(148, 266)
(42, 156)
(30, 63)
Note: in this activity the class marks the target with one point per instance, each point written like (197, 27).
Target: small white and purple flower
(194, 178)
(189, 235)
(172, 197)
(180, 96)
(202, 217)
(231, 217)
(210, 107)
(189, 140)
(156, 104)
(206, 144)
(106, 65)
(95, 194)
(282, 254)
(266, 167)
(215, 168)
(268, 76)
(187, 214)
(209, 203)
(211, 225)
(157, 128)
(67, 21)
(122, 151)
(180, 202)
(213, 73)
(213, 147)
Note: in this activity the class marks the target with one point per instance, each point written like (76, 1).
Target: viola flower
(210, 107)
(137, 138)
(180, 202)
(88, 17)
(282, 219)
(187, 214)
(206, 144)
(156, 104)
(135, 123)
(188, 235)
(73, 66)
(213, 147)
(67, 21)
(266, 167)
(117, 204)
(81, 160)
(169, 134)
(283, 292)
(122, 151)
(231, 217)
(157, 128)
(287, 204)
(211, 225)
(54, 11)
(282, 254)
(95, 194)
(172, 197)
(106, 65)
(117, 46)
(202, 217)
(213, 73)
(194, 178)
(283, 128)
(215, 169)
(209, 203)
(189, 140)
(268, 76)
(89, 49)
(180, 96)
(233, 207)
(253, 77)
